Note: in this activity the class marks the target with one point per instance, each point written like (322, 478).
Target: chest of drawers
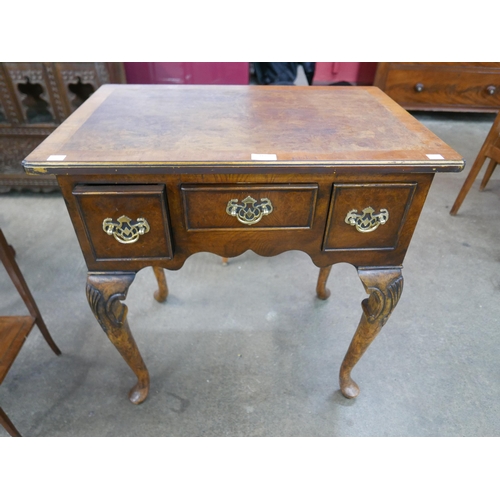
(154, 174)
(441, 86)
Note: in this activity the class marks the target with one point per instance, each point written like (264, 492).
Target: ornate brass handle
(125, 230)
(250, 211)
(367, 221)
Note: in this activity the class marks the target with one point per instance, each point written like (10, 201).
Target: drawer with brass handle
(367, 216)
(125, 222)
(248, 206)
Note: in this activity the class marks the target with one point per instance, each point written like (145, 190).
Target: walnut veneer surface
(154, 174)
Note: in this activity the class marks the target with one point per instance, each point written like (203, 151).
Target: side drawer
(367, 216)
(249, 207)
(125, 222)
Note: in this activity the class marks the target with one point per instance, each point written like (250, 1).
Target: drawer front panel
(444, 87)
(249, 207)
(125, 222)
(367, 216)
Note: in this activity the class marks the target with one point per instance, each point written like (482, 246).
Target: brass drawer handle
(250, 211)
(367, 221)
(419, 87)
(125, 230)
(491, 89)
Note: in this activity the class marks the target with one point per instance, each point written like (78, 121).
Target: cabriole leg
(105, 293)
(384, 287)
(321, 291)
(162, 293)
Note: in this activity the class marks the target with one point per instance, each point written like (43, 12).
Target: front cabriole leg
(384, 287)
(105, 293)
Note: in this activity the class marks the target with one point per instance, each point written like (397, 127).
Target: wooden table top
(194, 125)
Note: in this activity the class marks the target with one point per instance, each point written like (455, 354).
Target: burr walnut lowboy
(152, 174)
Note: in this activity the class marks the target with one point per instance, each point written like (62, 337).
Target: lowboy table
(152, 174)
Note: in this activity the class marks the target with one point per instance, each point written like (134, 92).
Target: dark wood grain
(27, 117)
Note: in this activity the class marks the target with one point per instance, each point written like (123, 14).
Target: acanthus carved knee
(110, 308)
(382, 300)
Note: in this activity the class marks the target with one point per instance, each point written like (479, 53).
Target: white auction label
(56, 157)
(435, 157)
(264, 157)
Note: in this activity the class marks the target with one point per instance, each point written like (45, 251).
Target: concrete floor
(247, 350)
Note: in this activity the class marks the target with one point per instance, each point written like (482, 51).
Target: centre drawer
(248, 206)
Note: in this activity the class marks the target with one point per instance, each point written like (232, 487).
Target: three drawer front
(367, 216)
(248, 207)
(125, 222)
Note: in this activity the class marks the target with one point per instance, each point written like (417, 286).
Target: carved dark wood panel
(34, 99)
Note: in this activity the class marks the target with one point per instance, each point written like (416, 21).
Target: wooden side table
(489, 150)
(154, 174)
(15, 329)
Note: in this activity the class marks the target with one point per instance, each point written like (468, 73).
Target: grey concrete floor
(247, 350)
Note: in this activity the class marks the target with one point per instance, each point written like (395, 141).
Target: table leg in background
(162, 293)
(321, 291)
